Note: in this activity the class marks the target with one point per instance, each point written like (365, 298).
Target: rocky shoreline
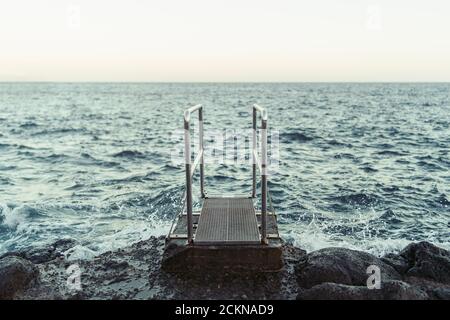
(421, 271)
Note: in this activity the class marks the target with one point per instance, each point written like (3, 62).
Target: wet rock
(422, 260)
(16, 274)
(398, 262)
(44, 254)
(427, 261)
(441, 293)
(435, 290)
(390, 290)
(340, 265)
(135, 272)
(116, 265)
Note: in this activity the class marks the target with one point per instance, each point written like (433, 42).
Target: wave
(296, 136)
(344, 156)
(368, 169)
(7, 167)
(5, 180)
(356, 199)
(221, 177)
(76, 186)
(87, 159)
(28, 125)
(317, 235)
(442, 200)
(12, 216)
(52, 158)
(131, 154)
(390, 216)
(390, 153)
(311, 238)
(134, 178)
(429, 165)
(339, 144)
(163, 205)
(59, 131)
(171, 167)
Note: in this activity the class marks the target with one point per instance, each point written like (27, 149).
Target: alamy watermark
(374, 280)
(374, 21)
(73, 14)
(228, 147)
(74, 279)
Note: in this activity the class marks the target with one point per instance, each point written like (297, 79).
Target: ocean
(363, 166)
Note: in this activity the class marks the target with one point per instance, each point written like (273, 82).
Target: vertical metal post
(253, 154)
(264, 181)
(187, 158)
(200, 144)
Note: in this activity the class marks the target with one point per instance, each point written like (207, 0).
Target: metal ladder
(261, 164)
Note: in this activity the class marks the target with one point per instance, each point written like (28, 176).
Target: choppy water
(362, 165)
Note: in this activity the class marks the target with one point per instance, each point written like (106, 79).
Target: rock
(441, 293)
(434, 289)
(44, 254)
(422, 260)
(390, 290)
(118, 274)
(16, 274)
(398, 262)
(340, 265)
(427, 261)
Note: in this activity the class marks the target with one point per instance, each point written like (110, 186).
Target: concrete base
(179, 257)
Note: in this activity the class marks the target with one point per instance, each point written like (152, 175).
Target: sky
(225, 40)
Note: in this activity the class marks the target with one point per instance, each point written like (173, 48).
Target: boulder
(434, 289)
(441, 293)
(44, 254)
(340, 265)
(390, 290)
(16, 274)
(425, 260)
(397, 261)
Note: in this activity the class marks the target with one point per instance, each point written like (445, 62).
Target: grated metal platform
(227, 221)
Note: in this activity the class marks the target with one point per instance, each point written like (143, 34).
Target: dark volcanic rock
(16, 274)
(44, 254)
(340, 265)
(422, 260)
(390, 290)
(427, 261)
(398, 262)
(135, 272)
(441, 293)
(337, 273)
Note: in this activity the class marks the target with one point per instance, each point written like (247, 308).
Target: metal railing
(199, 159)
(190, 167)
(262, 165)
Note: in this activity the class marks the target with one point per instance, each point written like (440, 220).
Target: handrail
(190, 169)
(262, 165)
(180, 213)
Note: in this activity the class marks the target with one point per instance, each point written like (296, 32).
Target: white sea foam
(79, 252)
(13, 217)
(131, 233)
(312, 239)
(314, 236)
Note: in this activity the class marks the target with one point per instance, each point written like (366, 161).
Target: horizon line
(224, 82)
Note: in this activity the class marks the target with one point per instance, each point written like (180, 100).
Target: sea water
(364, 166)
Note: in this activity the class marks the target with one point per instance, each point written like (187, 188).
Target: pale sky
(224, 40)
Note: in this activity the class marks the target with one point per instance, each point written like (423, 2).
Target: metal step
(227, 221)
